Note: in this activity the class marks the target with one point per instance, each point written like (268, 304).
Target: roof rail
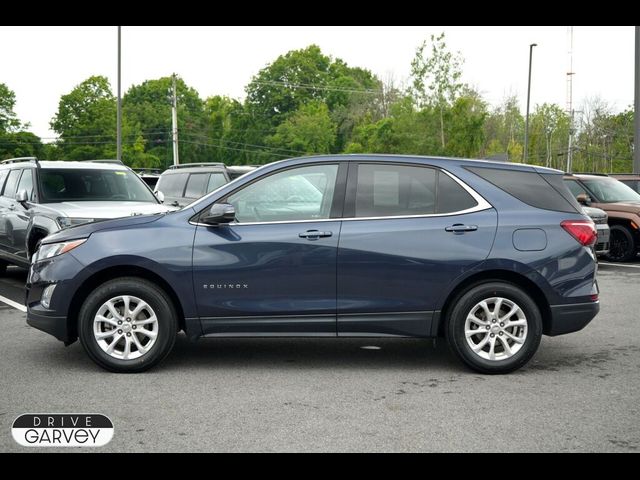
(20, 159)
(592, 173)
(205, 164)
(106, 160)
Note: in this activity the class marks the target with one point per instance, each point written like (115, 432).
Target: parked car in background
(600, 218)
(622, 205)
(182, 184)
(150, 176)
(236, 171)
(490, 255)
(629, 179)
(38, 198)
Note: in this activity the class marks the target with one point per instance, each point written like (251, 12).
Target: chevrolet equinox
(489, 255)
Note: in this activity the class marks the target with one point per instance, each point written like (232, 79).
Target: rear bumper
(53, 325)
(571, 318)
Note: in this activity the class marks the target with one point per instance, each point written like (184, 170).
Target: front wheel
(127, 325)
(494, 327)
(622, 246)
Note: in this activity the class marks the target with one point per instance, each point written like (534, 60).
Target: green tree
(8, 118)
(309, 130)
(307, 75)
(504, 130)
(436, 78)
(86, 121)
(148, 107)
(466, 125)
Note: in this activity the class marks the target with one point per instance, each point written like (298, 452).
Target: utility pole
(526, 120)
(174, 121)
(570, 74)
(636, 110)
(570, 148)
(119, 113)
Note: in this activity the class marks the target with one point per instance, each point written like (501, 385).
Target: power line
(318, 87)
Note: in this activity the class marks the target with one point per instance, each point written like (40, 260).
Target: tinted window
(216, 180)
(12, 183)
(451, 196)
(610, 190)
(65, 184)
(172, 185)
(528, 187)
(304, 193)
(574, 187)
(3, 177)
(26, 182)
(196, 184)
(391, 190)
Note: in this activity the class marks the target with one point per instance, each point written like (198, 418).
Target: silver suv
(38, 198)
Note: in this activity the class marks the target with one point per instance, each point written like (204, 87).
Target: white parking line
(11, 303)
(618, 265)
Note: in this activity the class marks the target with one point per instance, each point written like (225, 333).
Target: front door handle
(460, 228)
(314, 234)
(12, 206)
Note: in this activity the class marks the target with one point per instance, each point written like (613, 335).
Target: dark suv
(489, 255)
(182, 184)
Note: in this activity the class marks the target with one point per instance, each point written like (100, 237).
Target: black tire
(464, 304)
(3, 267)
(622, 245)
(155, 297)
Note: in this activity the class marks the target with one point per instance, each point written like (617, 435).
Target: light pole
(119, 107)
(526, 118)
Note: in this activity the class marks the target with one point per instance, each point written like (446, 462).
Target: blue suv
(489, 255)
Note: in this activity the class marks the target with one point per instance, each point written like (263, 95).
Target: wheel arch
(112, 273)
(508, 276)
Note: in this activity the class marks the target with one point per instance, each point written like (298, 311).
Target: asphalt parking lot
(580, 393)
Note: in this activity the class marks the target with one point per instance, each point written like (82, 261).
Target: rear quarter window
(172, 185)
(545, 191)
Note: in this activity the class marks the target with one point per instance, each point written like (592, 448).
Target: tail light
(584, 231)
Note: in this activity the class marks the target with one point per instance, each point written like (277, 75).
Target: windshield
(609, 190)
(93, 185)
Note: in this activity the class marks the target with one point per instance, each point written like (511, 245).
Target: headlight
(66, 222)
(53, 249)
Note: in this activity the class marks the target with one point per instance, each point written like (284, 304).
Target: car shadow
(306, 353)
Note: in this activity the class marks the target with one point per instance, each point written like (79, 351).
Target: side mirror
(584, 199)
(160, 196)
(22, 197)
(219, 213)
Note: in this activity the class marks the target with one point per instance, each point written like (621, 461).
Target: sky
(42, 63)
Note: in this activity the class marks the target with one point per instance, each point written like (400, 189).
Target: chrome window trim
(482, 204)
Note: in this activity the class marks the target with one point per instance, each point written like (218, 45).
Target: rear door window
(3, 177)
(196, 185)
(12, 182)
(172, 185)
(26, 182)
(384, 190)
(216, 180)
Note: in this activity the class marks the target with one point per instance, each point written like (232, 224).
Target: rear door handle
(314, 234)
(460, 228)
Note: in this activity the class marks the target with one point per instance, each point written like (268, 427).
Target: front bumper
(53, 325)
(602, 243)
(571, 318)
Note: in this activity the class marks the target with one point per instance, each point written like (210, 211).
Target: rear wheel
(494, 327)
(622, 246)
(127, 325)
(3, 267)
